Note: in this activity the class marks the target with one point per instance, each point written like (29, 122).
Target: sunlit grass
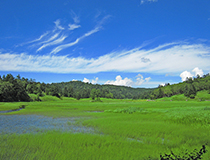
(132, 129)
(55, 145)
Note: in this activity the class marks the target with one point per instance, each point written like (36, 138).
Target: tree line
(18, 89)
(14, 89)
(189, 88)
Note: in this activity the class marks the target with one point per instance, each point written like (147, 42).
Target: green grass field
(125, 129)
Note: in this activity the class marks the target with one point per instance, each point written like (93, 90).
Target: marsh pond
(21, 124)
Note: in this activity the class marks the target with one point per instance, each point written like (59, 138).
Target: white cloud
(162, 84)
(184, 75)
(94, 81)
(121, 82)
(172, 57)
(85, 80)
(198, 71)
(127, 81)
(139, 81)
(168, 58)
(73, 26)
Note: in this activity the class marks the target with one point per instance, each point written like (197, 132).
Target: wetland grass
(152, 128)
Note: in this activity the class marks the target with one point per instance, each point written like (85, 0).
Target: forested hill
(108, 91)
(189, 88)
(18, 89)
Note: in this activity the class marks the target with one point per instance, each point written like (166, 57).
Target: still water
(21, 124)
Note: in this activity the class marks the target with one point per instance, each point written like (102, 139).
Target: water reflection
(21, 124)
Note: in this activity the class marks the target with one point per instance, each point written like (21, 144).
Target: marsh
(21, 124)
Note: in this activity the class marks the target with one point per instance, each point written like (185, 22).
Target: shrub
(187, 156)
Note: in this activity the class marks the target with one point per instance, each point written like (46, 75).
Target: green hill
(197, 88)
(18, 89)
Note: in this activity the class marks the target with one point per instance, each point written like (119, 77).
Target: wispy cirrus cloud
(73, 26)
(75, 17)
(40, 38)
(97, 28)
(58, 37)
(47, 40)
(33, 41)
(58, 26)
(61, 47)
(166, 58)
(55, 42)
(51, 38)
(143, 1)
(64, 46)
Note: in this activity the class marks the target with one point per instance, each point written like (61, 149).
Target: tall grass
(153, 128)
(55, 145)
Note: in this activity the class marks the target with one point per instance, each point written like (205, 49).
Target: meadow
(122, 129)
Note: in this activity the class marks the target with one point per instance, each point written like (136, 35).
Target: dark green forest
(189, 88)
(14, 89)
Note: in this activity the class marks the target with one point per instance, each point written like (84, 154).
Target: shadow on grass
(195, 155)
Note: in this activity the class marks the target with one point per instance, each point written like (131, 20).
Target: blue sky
(138, 43)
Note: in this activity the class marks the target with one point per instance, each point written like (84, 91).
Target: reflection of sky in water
(35, 123)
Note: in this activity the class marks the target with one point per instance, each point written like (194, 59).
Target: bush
(187, 156)
(192, 96)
